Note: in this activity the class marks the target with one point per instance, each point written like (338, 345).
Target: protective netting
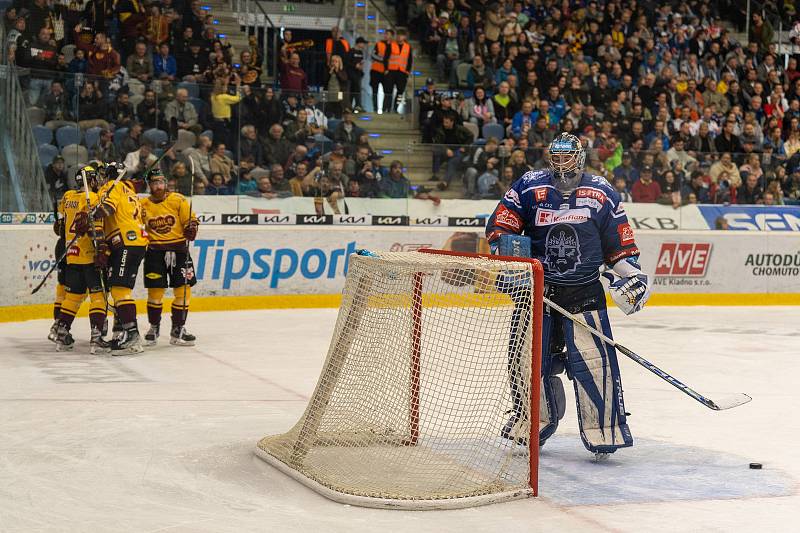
(430, 357)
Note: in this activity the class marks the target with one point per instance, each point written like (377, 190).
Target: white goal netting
(430, 357)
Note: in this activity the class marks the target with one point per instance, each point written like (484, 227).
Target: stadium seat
(333, 123)
(200, 107)
(36, 116)
(493, 130)
(209, 134)
(192, 88)
(119, 136)
(46, 153)
(186, 139)
(473, 129)
(156, 136)
(91, 136)
(75, 154)
(461, 73)
(66, 135)
(136, 87)
(42, 135)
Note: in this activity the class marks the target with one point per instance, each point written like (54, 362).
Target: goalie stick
(727, 402)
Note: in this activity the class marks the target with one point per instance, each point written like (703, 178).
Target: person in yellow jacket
(83, 271)
(171, 225)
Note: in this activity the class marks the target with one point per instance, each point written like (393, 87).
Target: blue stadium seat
(192, 88)
(46, 153)
(493, 130)
(156, 136)
(333, 123)
(91, 136)
(119, 136)
(42, 135)
(208, 133)
(200, 107)
(68, 135)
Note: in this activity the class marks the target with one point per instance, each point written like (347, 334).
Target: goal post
(432, 352)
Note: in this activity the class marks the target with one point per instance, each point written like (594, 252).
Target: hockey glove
(58, 226)
(630, 291)
(101, 255)
(190, 230)
(81, 223)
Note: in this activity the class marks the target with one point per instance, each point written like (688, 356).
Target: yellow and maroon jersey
(125, 225)
(165, 220)
(82, 250)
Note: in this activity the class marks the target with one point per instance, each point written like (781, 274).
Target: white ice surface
(164, 441)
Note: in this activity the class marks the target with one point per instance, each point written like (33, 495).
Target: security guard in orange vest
(335, 45)
(377, 72)
(399, 66)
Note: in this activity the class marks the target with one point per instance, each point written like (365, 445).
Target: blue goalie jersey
(572, 237)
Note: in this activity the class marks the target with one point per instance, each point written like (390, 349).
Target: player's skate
(180, 337)
(53, 335)
(601, 457)
(151, 337)
(129, 343)
(98, 345)
(64, 340)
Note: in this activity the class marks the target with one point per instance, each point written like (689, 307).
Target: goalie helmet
(566, 157)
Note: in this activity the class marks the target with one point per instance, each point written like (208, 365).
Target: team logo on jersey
(590, 193)
(161, 225)
(549, 217)
(508, 219)
(512, 197)
(562, 249)
(152, 275)
(540, 194)
(625, 234)
(131, 235)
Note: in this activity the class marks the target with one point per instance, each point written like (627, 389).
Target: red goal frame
(536, 352)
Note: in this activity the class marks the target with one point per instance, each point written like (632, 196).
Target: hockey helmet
(566, 157)
(155, 174)
(89, 175)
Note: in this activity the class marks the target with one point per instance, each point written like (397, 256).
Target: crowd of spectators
(670, 107)
(131, 78)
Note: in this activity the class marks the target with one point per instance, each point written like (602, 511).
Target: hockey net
(431, 355)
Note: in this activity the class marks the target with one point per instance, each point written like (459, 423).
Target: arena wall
(253, 266)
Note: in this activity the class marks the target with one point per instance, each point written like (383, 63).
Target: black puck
(755, 466)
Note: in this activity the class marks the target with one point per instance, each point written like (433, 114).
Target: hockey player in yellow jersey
(170, 225)
(83, 270)
(126, 239)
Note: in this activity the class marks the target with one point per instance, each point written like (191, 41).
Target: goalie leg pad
(552, 399)
(594, 370)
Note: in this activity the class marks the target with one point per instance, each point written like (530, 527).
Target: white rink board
(261, 260)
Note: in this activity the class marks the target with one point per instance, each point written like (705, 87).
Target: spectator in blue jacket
(165, 66)
(558, 106)
(523, 120)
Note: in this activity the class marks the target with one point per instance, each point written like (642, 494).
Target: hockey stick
(728, 402)
(93, 234)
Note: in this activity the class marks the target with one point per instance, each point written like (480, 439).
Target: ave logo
(683, 259)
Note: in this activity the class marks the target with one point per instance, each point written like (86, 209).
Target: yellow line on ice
(18, 313)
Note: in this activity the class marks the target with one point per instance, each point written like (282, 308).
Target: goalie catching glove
(631, 290)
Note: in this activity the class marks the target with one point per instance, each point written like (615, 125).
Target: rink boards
(251, 267)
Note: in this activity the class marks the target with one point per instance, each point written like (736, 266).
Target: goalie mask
(566, 157)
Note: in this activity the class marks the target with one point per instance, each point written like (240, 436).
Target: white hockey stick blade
(729, 402)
